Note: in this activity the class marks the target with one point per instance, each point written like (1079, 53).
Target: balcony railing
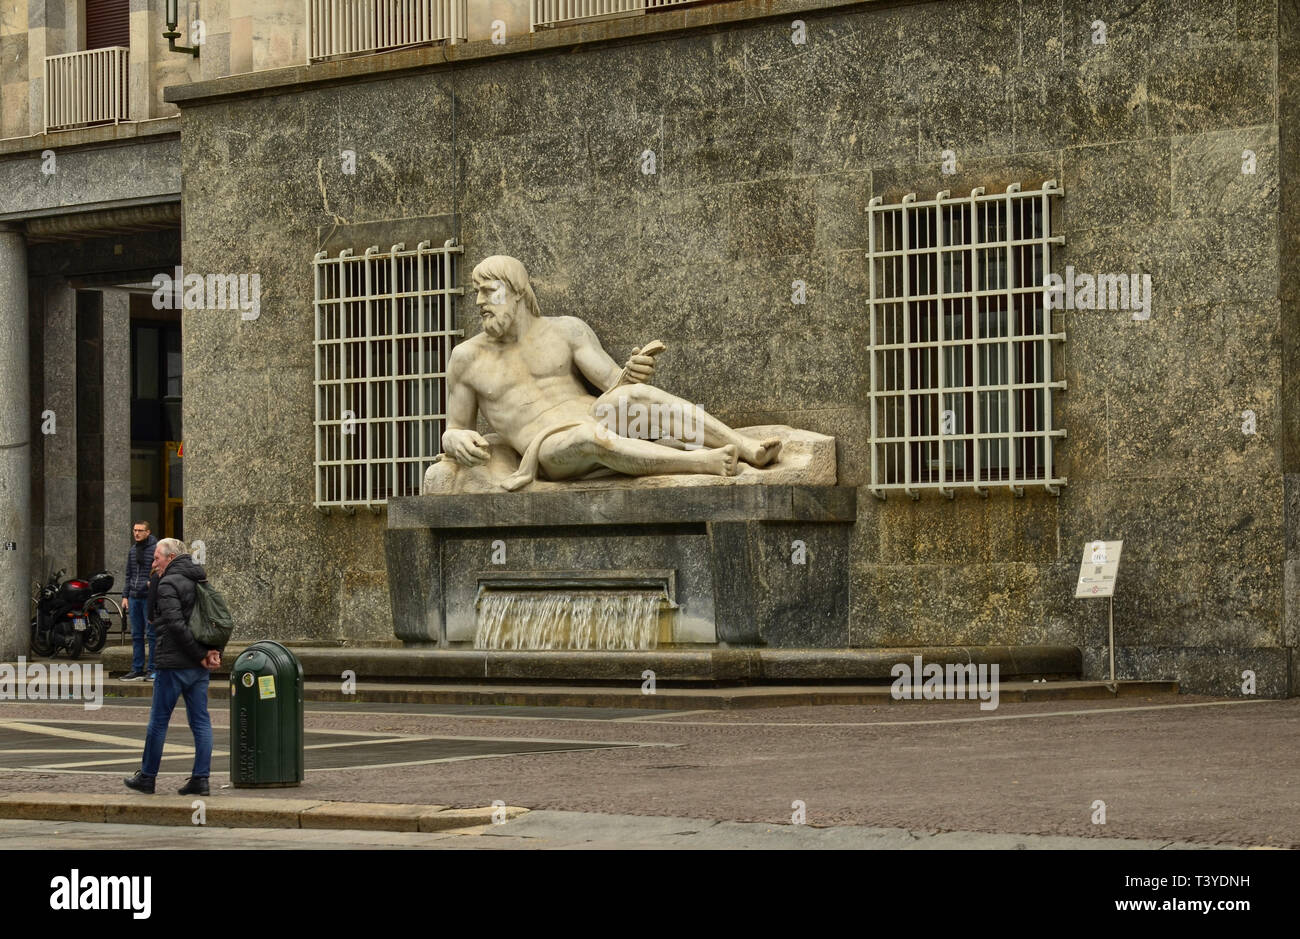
(559, 12)
(351, 27)
(86, 88)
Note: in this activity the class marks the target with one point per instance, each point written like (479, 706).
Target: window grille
(383, 338)
(961, 343)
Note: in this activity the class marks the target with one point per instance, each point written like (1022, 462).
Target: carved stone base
(746, 565)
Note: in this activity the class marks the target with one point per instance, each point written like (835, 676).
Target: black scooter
(66, 618)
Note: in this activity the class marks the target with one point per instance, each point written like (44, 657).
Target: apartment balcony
(355, 27)
(546, 13)
(83, 88)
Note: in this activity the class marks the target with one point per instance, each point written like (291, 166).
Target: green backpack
(210, 622)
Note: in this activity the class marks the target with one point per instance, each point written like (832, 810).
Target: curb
(237, 812)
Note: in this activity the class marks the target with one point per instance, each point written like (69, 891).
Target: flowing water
(555, 619)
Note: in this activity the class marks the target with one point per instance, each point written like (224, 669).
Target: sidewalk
(289, 823)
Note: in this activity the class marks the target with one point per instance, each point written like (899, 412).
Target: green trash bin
(266, 717)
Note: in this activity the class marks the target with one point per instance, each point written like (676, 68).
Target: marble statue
(524, 374)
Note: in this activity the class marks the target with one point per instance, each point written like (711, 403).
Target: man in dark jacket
(135, 591)
(183, 668)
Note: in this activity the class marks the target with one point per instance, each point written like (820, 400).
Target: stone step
(767, 666)
(672, 698)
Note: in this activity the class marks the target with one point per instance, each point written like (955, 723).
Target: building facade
(838, 215)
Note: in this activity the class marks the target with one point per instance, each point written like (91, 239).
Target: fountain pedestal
(745, 565)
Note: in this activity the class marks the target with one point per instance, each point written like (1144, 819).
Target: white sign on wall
(1099, 569)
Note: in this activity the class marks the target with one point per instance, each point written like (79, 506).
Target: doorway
(157, 449)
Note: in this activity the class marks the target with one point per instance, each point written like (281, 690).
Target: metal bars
(560, 12)
(349, 27)
(383, 338)
(961, 342)
(87, 88)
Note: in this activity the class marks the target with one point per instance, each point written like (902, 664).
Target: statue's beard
(497, 325)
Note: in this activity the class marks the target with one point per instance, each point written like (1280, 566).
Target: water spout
(556, 619)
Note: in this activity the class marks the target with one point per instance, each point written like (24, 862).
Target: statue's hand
(466, 447)
(639, 368)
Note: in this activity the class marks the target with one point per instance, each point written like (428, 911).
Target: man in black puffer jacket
(183, 668)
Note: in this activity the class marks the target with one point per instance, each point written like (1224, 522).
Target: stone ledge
(1200, 670)
(666, 698)
(558, 39)
(703, 665)
(59, 140)
(668, 506)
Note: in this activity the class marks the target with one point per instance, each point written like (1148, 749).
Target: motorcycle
(72, 615)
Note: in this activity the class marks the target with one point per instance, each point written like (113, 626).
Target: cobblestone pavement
(1169, 769)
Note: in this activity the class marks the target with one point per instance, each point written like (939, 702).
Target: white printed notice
(1099, 569)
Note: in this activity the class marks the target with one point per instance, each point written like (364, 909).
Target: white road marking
(70, 734)
(955, 720)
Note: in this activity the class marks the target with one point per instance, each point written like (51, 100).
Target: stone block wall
(766, 155)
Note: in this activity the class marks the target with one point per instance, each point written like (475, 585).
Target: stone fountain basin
(728, 548)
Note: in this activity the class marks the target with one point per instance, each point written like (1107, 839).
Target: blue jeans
(140, 628)
(168, 687)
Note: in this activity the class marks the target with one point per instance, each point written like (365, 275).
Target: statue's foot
(761, 453)
(723, 461)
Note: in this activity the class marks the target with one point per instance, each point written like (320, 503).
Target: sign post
(1097, 575)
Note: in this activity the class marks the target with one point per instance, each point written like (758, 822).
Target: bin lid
(253, 660)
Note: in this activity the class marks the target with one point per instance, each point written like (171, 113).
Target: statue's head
(503, 293)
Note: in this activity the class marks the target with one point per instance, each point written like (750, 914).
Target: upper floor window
(108, 23)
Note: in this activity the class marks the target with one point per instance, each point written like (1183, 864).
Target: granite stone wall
(766, 155)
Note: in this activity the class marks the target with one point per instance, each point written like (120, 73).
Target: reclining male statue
(524, 372)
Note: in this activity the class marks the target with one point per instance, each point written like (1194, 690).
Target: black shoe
(140, 782)
(132, 676)
(196, 786)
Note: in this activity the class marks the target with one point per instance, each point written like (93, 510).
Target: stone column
(117, 432)
(59, 395)
(15, 448)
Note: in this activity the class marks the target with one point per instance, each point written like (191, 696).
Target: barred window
(961, 342)
(383, 339)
